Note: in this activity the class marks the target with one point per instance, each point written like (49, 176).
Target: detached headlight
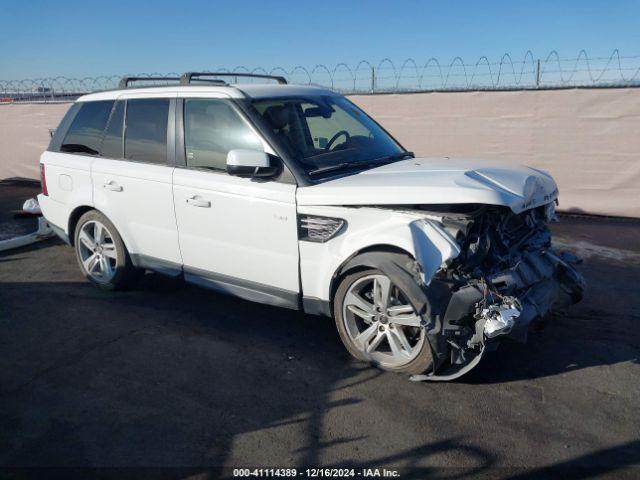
(319, 229)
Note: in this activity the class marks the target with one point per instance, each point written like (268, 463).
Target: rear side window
(61, 131)
(85, 133)
(146, 130)
(212, 128)
(112, 143)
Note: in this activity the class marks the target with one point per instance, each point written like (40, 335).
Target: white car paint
(69, 184)
(256, 90)
(437, 181)
(367, 227)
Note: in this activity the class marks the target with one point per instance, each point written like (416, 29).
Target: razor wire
(385, 76)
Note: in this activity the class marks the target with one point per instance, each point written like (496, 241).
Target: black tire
(421, 363)
(125, 274)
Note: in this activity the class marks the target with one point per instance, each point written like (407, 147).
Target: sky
(85, 38)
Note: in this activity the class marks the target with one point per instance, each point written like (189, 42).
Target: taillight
(43, 180)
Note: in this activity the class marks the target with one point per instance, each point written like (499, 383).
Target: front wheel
(101, 253)
(378, 324)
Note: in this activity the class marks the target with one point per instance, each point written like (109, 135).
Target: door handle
(197, 201)
(113, 186)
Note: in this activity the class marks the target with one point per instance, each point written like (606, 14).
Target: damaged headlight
(500, 318)
(319, 229)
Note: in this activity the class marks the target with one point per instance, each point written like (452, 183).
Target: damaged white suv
(292, 196)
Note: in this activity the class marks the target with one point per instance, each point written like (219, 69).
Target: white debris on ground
(31, 206)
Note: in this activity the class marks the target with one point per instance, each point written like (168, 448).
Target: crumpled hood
(437, 181)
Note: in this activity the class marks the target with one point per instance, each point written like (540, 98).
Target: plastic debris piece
(44, 231)
(31, 206)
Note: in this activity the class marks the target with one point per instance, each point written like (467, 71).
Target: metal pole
(373, 80)
(538, 74)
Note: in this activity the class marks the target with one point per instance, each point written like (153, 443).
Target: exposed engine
(506, 277)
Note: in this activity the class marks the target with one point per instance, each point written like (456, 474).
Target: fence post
(538, 74)
(373, 80)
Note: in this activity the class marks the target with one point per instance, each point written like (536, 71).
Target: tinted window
(85, 133)
(146, 131)
(211, 129)
(112, 143)
(61, 130)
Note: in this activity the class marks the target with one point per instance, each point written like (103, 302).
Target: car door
(132, 180)
(68, 160)
(237, 235)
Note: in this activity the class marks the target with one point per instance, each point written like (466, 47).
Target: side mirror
(250, 163)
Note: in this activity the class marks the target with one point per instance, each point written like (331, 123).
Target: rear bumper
(56, 214)
(60, 233)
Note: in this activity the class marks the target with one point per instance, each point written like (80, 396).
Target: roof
(248, 90)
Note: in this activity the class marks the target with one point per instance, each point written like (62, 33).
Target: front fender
(433, 246)
(369, 228)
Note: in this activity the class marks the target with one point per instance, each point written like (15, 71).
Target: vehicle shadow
(544, 357)
(621, 461)
(176, 376)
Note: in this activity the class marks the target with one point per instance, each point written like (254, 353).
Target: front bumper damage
(504, 278)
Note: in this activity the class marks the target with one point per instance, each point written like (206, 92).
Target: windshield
(327, 133)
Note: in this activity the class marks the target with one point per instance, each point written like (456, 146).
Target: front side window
(85, 132)
(327, 132)
(146, 130)
(211, 129)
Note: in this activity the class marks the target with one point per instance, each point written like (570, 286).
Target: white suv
(292, 196)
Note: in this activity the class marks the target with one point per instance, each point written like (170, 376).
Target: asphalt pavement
(173, 375)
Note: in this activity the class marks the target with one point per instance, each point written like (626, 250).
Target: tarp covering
(586, 138)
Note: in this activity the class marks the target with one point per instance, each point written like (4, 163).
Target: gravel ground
(173, 375)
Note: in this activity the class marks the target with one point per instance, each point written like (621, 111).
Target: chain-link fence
(410, 75)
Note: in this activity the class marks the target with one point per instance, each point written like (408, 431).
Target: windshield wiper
(396, 156)
(364, 163)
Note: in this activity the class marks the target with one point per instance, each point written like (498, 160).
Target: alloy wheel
(97, 251)
(381, 323)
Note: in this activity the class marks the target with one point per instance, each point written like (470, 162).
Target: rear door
(132, 180)
(237, 235)
(69, 158)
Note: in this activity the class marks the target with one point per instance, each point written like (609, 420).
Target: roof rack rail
(124, 83)
(186, 78)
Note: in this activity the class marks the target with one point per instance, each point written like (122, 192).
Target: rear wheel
(377, 323)
(101, 253)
